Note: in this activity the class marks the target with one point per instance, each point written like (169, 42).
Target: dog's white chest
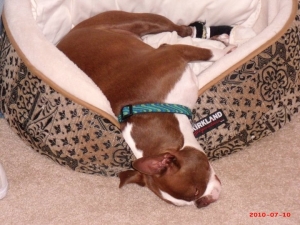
(185, 91)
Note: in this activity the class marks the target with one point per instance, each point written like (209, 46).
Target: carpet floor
(261, 185)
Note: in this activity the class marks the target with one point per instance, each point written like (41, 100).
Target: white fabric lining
(56, 18)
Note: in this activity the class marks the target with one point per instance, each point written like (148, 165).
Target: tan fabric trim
(255, 52)
(51, 83)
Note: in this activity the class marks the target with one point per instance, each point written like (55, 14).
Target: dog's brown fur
(108, 48)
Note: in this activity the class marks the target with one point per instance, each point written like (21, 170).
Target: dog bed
(57, 110)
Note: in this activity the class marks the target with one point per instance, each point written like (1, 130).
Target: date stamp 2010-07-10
(270, 214)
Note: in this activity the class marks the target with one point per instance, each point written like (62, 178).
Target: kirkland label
(208, 123)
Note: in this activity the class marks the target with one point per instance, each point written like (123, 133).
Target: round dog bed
(57, 110)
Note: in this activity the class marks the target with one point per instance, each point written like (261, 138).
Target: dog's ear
(131, 176)
(153, 165)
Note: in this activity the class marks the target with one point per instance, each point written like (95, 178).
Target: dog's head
(183, 177)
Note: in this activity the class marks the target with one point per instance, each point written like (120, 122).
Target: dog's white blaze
(175, 201)
(129, 140)
(213, 188)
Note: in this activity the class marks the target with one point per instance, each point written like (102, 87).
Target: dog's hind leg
(137, 23)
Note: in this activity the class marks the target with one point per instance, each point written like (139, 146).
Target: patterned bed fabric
(253, 101)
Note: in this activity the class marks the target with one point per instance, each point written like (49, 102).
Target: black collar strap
(129, 110)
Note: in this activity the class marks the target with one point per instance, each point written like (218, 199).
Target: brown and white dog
(170, 161)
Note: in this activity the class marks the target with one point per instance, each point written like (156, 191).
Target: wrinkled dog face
(182, 178)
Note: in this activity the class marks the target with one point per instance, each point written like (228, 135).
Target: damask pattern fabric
(257, 99)
(56, 127)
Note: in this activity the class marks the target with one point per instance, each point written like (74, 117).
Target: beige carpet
(264, 178)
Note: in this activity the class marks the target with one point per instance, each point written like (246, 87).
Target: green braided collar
(129, 110)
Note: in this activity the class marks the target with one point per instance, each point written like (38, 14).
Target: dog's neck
(161, 132)
(152, 134)
(158, 133)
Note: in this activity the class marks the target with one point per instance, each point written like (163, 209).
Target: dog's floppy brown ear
(131, 176)
(152, 165)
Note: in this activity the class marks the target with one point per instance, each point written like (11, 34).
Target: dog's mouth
(204, 201)
(213, 195)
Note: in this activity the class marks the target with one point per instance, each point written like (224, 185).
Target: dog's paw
(224, 38)
(185, 31)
